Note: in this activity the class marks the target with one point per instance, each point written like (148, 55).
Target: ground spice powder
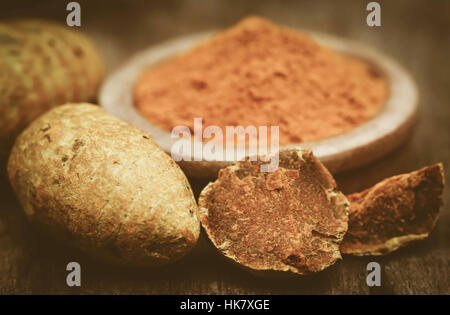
(257, 73)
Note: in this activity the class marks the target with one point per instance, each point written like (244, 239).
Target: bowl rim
(360, 145)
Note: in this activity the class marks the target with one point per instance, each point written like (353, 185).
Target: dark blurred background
(416, 33)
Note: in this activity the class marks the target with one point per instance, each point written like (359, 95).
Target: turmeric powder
(259, 74)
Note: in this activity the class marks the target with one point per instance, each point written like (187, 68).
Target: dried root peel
(395, 212)
(292, 219)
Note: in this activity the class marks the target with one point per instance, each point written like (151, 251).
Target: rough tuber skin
(42, 65)
(91, 179)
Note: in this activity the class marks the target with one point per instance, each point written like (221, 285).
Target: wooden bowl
(361, 145)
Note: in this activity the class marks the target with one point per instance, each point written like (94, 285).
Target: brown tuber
(91, 179)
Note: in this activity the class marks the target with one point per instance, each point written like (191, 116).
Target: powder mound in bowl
(292, 219)
(395, 212)
(257, 73)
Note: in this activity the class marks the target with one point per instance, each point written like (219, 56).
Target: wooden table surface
(416, 33)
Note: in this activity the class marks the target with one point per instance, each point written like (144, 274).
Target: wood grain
(416, 33)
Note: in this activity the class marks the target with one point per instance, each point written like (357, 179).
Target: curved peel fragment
(395, 212)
